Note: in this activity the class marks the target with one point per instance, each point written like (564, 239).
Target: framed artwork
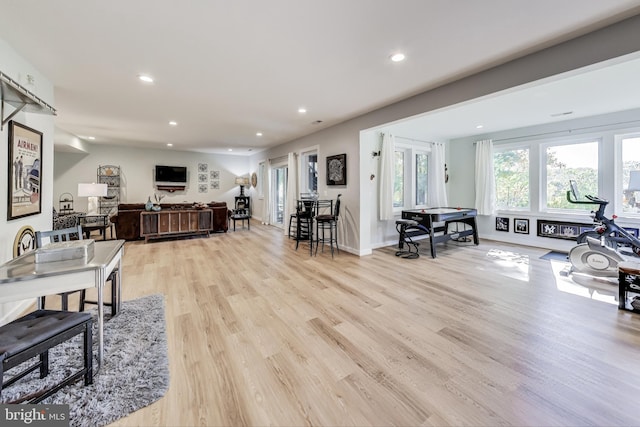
(202, 177)
(337, 169)
(502, 223)
(202, 188)
(521, 225)
(25, 163)
(561, 229)
(203, 167)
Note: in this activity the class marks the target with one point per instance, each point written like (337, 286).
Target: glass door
(278, 194)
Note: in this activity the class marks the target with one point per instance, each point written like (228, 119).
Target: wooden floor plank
(262, 334)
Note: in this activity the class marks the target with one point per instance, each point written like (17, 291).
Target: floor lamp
(92, 191)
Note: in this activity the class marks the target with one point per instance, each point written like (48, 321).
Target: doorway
(278, 194)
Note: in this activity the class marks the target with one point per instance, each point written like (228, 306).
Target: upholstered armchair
(65, 221)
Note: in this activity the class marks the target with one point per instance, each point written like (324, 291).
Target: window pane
(309, 173)
(631, 174)
(511, 170)
(422, 160)
(575, 161)
(398, 181)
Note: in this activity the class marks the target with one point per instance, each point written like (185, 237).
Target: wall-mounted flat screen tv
(171, 174)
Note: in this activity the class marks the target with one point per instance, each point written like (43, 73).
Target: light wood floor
(260, 334)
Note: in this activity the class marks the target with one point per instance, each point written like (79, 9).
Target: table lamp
(92, 191)
(242, 181)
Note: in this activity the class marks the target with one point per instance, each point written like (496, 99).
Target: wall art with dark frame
(502, 223)
(25, 171)
(337, 169)
(561, 229)
(521, 225)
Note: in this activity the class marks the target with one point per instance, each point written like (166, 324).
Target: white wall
(17, 68)
(137, 166)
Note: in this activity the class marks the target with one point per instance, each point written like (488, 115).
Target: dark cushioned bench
(34, 334)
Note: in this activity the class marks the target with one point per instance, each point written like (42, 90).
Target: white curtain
(437, 194)
(292, 189)
(485, 181)
(266, 194)
(386, 178)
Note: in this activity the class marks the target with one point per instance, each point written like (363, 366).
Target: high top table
(21, 278)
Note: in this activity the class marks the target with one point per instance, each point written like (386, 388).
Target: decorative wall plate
(254, 180)
(25, 241)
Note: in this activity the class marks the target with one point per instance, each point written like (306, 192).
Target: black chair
(328, 221)
(60, 235)
(305, 211)
(65, 235)
(293, 218)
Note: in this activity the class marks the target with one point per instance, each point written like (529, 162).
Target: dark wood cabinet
(175, 222)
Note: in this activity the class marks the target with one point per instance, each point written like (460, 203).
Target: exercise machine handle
(593, 200)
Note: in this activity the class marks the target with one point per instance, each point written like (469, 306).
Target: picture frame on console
(25, 167)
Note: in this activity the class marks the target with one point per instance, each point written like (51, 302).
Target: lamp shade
(634, 181)
(92, 190)
(241, 180)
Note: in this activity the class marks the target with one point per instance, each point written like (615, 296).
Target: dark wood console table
(169, 223)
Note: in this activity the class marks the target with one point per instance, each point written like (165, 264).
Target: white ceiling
(602, 88)
(225, 70)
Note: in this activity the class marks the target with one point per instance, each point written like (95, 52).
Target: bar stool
(328, 222)
(305, 210)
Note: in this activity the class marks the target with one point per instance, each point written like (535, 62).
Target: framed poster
(561, 229)
(337, 169)
(25, 160)
(521, 225)
(502, 223)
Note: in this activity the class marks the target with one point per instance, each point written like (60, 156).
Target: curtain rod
(413, 139)
(558, 132)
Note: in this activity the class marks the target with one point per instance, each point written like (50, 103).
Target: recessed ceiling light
(91, 137)
(169, 145)
(230, 149)
(479, 126)
(302, 110)
(397, 57)
(258, 133)
(145, 78)
(172, 123)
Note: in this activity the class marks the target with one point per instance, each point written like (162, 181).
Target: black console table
(243, 202)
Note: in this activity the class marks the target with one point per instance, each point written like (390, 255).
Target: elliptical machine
(599, 250)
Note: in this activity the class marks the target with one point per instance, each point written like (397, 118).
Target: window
(309, 172)
(569, 161)
(630, 174)
(410, 184)
(511, 169)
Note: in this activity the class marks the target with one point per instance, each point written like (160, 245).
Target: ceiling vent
(317, 122)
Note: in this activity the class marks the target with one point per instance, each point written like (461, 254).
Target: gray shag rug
(135, 371)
